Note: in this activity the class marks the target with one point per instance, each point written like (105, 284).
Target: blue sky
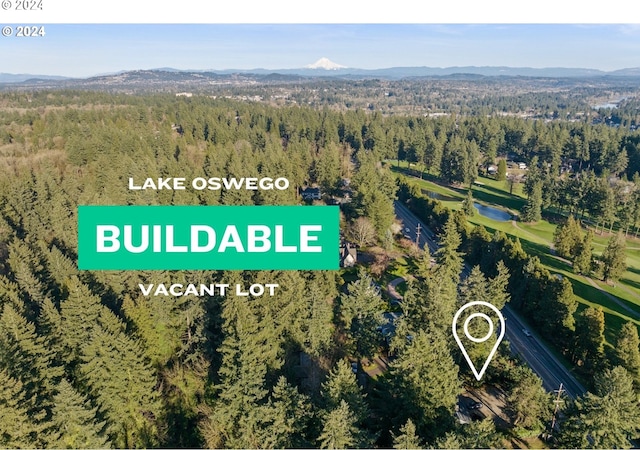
(85, 50)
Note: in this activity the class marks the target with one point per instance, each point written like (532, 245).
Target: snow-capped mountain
(326, 64)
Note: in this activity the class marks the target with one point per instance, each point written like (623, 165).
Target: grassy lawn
(501, 188)
(536, 238)
(497, 193)
(399, 267)
(542, 229)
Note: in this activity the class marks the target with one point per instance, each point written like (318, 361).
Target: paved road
(535, 352)
(410, 221)
(532, 349)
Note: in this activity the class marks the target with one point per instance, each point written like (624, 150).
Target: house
(348, 255)
(311, 193)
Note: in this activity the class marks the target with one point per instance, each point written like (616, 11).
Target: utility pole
(418, 235)
(557, 402)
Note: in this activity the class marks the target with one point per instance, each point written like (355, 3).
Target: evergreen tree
(28, 271)
(627, 351)
(499, 286)
(79, 316)
(425, 266)
(567, 238)
(501, 175)
(10, 294)
(588, 347)
(387, 241)
(450, 440)
(241, 392)
(60, 267)
(528, 403)
(327, 168)
(158, 323)
(114, 368)
(532, 211)
(339, 429)
(533, 178)
(50, 325)
(381, 212)
(426, 383)
(26, 357)
(414, 310)
(341, 385)
(374, 192)
(454, 163)
(607, 419)
(474, 287)
(361, 310)
(583, 255)
(441, 286)
(17, 429)
(480, 434)
(74, 422)
(479, 240)
(407, 439)
(448, 257)
(559, 305)
(318, 327)
(285, 418)
(238, 166)
(467, 205)
(614, 257)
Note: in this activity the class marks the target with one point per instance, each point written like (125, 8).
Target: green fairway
(537, 238)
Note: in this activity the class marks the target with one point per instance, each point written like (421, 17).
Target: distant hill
(324, 68)
(405, 72)
(20, 77)
(152, 80)
(632, 72)
(170, 79)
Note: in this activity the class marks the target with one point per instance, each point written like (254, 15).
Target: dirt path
(493, 402)
(614, 299)
(626, 289)
(376, 367)
(604, 245)
(391, 288)
(515, 225)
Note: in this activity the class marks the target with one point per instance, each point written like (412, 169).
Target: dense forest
(87, 361)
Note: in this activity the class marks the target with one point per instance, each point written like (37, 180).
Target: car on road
(526, 332)
(476, 405)
(354, 367)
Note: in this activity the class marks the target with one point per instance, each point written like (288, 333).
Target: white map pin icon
(465, 327)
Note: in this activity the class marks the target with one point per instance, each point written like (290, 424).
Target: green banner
(208, 237)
